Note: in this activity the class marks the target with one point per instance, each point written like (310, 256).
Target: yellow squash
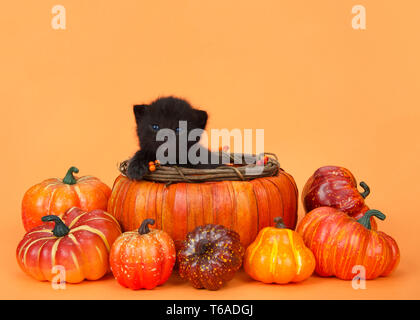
(279, 255)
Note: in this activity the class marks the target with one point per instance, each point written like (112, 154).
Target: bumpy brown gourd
(210, 256)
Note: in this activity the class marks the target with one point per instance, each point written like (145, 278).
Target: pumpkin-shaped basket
(244, 198)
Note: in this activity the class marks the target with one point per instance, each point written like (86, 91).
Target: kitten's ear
(201, 118)
(139, 111)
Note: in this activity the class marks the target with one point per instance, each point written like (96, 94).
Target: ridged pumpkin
(210, 256)
(243, 206)
(55, 196)
(142, 258)
(80, 242)
(340, 242)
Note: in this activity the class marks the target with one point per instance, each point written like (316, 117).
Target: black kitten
(178, 116)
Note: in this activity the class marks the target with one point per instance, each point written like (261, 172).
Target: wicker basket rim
(174, 174)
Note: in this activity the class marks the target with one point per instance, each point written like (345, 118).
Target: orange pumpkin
(278, 255)
(243, 206)
(55, 196)
(143, 258)
(340, 242)
(79, 242)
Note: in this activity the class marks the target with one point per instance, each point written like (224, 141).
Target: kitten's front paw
(136, 171)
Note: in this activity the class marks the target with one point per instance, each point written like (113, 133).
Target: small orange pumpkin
(279, 255)
(142, 258)
(55, 196)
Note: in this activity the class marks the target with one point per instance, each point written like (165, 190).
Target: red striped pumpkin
(80, 242)
(340, 242)
(243, 206)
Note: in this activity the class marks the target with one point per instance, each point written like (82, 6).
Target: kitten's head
(165, 113)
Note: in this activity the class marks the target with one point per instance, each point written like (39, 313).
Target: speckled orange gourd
(210, 256)
(143, 259)
(278, 255)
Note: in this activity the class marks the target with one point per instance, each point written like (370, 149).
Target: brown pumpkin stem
(144, 227)
(60, 229)
(202, 246)
(279, 223)
(69, 178)
(366, 189)
(365, 220)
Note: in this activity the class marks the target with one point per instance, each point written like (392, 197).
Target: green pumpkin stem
(60, 229)
(202, 246)
(366, 189)
(69, 178)
(365, 220)
(144, 227)
(279, 223)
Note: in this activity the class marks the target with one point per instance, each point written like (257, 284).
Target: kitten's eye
(155, 127)
(177, 130)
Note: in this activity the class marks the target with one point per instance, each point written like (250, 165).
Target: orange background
(323, 92)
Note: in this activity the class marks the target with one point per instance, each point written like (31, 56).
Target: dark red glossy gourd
(336, 187)
(210, 256)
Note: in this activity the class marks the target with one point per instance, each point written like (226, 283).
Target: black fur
(164, 113)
